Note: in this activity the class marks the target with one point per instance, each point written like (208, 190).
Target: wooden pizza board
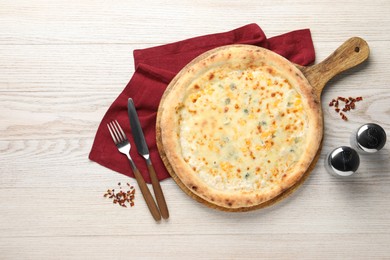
(350, 54)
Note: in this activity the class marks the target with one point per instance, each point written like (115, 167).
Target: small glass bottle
(342, 161)
(368, 138)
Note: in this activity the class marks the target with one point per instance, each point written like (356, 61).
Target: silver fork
(123, 145)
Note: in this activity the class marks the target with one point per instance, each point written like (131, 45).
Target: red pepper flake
(343, 117)
(349, 103)
(121, 197)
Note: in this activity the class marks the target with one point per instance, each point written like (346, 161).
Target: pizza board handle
(350, 54)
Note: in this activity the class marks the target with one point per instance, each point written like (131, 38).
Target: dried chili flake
(349, 103)
(343, 117)
(121, 197)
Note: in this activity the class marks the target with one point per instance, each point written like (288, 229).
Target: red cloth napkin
(154, 69)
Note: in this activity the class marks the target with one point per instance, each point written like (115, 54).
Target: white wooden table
(62, 63)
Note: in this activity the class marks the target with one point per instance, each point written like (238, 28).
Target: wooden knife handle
(158, 192)
(147, 195)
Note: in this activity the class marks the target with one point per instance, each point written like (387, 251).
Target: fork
(124, 146)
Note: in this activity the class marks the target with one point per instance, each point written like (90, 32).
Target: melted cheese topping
(243, 129)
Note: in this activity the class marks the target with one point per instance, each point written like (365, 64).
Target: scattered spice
(122, 198)
(349, 103)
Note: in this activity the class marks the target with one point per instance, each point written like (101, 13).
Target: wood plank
(108, 68)
(65, 68)
(82, 211)
(267, 246)
(47, 22)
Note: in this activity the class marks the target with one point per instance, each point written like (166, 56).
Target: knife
(143, 150)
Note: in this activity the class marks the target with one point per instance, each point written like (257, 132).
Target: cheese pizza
(239, 125)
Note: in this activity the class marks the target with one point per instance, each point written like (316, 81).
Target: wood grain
(350, 54)
(147, 195)
(62, 63)
(158, 193)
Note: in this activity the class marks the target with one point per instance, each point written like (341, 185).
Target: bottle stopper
(342, 161)
(368, 138)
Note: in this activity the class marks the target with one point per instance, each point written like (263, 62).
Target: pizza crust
(247, 57)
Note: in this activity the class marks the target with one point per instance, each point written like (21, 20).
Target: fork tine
(112, 134)
(116, 132)
(120, 132)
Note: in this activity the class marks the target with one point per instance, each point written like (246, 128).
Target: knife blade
(136, 130)
(143, 150)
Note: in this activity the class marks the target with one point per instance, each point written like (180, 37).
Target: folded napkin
(155, 67)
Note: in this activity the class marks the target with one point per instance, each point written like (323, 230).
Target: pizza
(239, 125)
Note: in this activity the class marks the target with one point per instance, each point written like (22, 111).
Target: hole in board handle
(357, 49)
